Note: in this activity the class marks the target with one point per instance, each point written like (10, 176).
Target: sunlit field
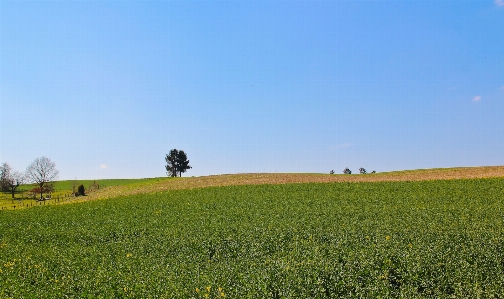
(63, 191)
(439, 239)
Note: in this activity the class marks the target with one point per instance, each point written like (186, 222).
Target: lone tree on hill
(10, 179)
(41, 172)
(176, 163)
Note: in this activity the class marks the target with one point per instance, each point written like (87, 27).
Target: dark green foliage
(347, 171)
(176, 163)
(436, 239)
(182, 162)
(362, 170)
(171, 163)
(81, 190)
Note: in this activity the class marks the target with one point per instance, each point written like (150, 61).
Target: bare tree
(74, 187)
(41, 172)
(10, 179)
(5, 170)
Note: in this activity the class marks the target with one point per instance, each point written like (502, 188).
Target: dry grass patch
(288, 178)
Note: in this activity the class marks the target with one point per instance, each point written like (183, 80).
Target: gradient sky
(106, 88)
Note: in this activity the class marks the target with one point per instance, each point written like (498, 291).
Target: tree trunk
(13, 189)
(41, 189)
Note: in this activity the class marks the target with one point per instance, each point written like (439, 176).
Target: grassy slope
(417, 239)
(165, 184)
(63, 190)
(121, 187)
(67, 185)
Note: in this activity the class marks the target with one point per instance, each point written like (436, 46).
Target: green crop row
(436, 239)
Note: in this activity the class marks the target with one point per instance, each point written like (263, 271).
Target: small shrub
(331, 172)
(362, 170)
(81, 190)
(347, 171)
(92, 187)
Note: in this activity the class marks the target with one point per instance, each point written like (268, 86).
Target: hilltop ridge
(160, 185)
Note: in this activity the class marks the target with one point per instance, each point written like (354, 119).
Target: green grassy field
(425, 239)
(63, 191)
(67, 185)
(102, 189)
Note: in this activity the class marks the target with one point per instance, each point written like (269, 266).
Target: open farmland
(130, 187)
(410, 239)
(63, 191)
(120, 187)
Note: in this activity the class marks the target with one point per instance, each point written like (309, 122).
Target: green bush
(81, 190)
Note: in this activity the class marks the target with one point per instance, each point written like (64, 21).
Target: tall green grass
(439, 239)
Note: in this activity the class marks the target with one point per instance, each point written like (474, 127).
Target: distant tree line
(362, 170)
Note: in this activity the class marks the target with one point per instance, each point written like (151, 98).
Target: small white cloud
(499, 2)
(476, 98)
(103, 166)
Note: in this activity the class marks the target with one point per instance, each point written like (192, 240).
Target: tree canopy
(176, 163)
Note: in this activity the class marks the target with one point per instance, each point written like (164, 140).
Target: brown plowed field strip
(288, 178)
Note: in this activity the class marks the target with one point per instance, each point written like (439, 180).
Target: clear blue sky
(106, 88)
